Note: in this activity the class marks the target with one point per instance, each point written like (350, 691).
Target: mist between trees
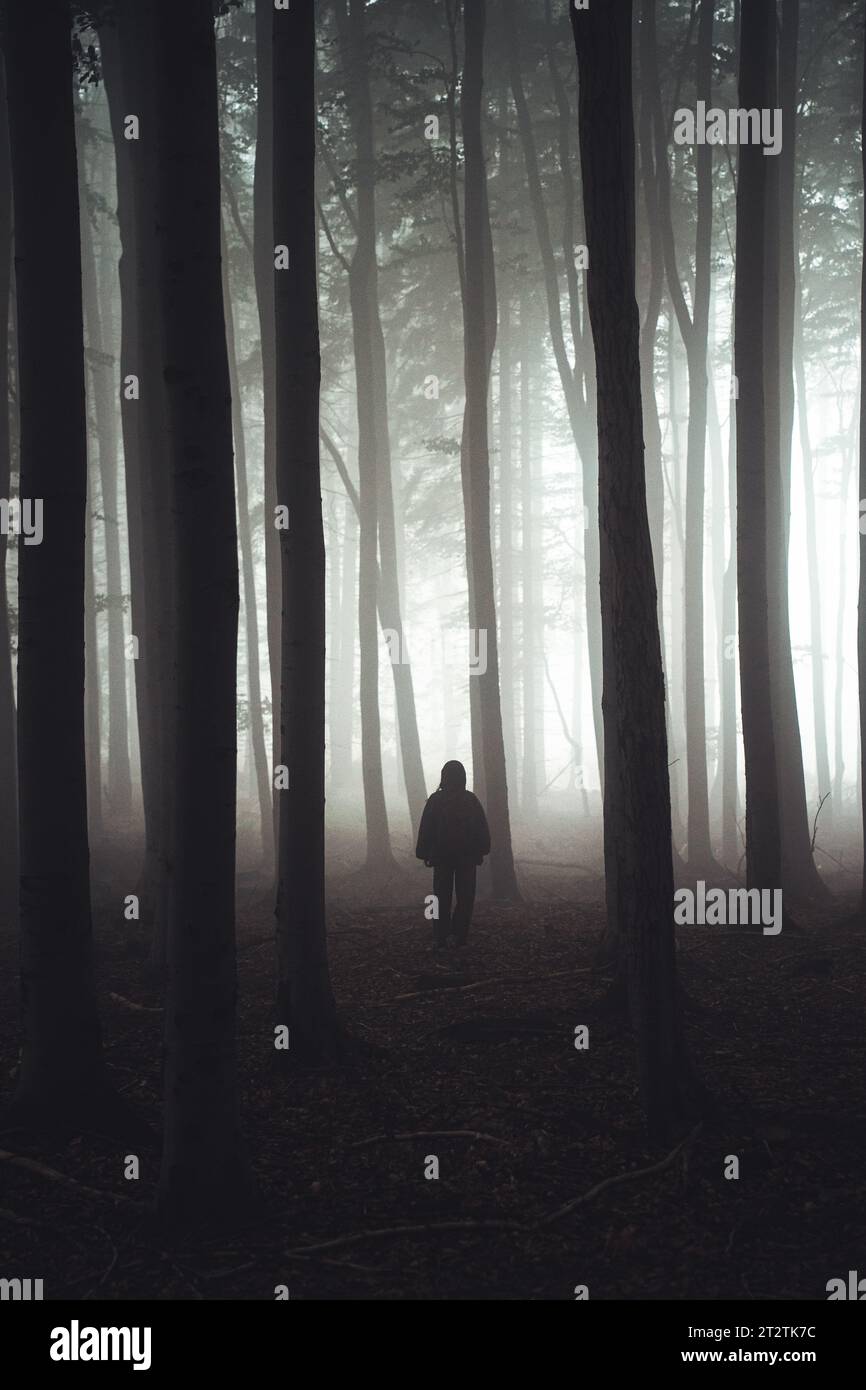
(386, 383)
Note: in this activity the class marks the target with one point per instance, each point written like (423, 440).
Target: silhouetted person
(453, 838)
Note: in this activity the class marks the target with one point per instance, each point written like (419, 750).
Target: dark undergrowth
(470, 1057)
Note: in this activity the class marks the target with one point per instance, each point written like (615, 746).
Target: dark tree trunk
(479, 326)
(92, 702)
(529, 608)
(637, 803)
(263, 263)
(8, 761)
(861, 605)
(751, 339)
(61, 1072)
(305, 1002)
(201, 1104)
(506, 505)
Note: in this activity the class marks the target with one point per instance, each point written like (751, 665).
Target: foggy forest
(433, 666)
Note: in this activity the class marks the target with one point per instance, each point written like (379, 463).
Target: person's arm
(424, 847)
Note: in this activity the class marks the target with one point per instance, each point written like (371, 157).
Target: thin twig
(621, 1177)
(429, 1134)
(30, 1165)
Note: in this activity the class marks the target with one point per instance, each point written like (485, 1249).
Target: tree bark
(763, 834)
(305, 1001)
(62, 1074)
(204, 1170)
(638, 858)
(263, 269)
(479, 327)
(8, 759)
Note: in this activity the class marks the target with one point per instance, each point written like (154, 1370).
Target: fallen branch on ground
(31, 1165)
(621, 1177)
(130, 1004)
(434, 993)
(429, 1134)
(391, 1232)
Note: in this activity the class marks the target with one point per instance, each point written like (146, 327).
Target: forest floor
(470, 1057)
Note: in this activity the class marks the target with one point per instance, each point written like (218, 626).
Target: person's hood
(453, 778)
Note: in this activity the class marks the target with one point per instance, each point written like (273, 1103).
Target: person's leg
(464, 884)
(443, 887)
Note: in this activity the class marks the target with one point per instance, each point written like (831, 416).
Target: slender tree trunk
(130, 65)
(102, 376)
(861, 596)
(203, 1169)
(341, 747)
(694, 329)
(305, 1002)
(637, 802)
(92, 688)
(263, 267)
(751, 340)
(816, 634)
(479, 326)
(839, 685)
(8, 760)
(61, 1075)
(529, 783)
(117, 52)
(251, 619)
(506, 507)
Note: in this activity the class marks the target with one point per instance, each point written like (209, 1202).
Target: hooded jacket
(453, 827)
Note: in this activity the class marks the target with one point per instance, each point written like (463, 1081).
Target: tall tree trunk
(62, 1074)
(92, 687)
(203, 1169)
(637, 802)
(506, 507)
(479, 327)
(263, 268)
(129, 66)
(362, 290)
(343, 643)
(251, 618)
(752, 337)
(305, 1002)
(102, 376)
(8, 761)
(816, 633)
(799, 874)
(861, 593)
(529, 630)
(694, 330)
